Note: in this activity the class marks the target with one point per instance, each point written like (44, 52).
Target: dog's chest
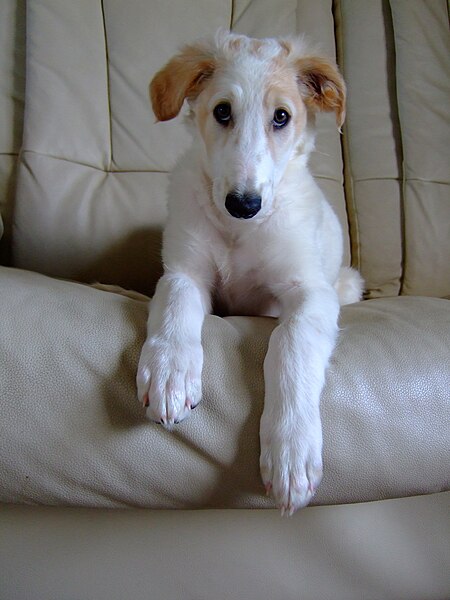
(240, 284)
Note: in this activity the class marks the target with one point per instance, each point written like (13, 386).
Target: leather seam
(108, 85)
(87, 165)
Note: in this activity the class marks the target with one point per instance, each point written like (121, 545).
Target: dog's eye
(281, 118)
(222, 113)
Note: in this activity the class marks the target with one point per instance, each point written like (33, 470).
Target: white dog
(250, 233)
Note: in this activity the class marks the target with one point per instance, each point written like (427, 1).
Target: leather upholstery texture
(74, 434)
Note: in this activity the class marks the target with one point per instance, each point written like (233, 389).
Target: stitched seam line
(325, 178)
(403, 182)
(89, 166)
(108, 86)
(421, 180)
(407, 179)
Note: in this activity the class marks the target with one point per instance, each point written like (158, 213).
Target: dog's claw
(171, 378)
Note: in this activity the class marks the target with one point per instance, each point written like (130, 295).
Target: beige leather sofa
(100, 503)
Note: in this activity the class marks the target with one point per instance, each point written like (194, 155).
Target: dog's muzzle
(242, 206)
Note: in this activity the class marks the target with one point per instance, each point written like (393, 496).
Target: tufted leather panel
(422, 50)
(395, 58)
(372, 142)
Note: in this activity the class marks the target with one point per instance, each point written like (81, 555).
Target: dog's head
(253, 103)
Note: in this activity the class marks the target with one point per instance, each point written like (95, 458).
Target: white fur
(283, 262)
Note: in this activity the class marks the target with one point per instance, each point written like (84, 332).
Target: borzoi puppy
(250, 233)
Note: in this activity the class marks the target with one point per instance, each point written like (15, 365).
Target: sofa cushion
(73, 433)
(388, 550)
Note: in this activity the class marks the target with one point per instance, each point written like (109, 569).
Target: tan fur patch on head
(183, 77)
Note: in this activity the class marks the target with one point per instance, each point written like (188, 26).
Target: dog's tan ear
(182, 77)
(322, 85)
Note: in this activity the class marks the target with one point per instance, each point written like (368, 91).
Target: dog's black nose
(243, 206)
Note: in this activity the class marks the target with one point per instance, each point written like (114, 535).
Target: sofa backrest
(93, 169)
(396, 59)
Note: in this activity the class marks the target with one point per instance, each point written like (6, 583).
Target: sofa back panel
(395, 58)
(94, 164)
(422, 45)
(141, 37)
(372, 142)
(67, 113)
(87, 224)
(12, 92)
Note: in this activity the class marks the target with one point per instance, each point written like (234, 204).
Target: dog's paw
(169, 380)
(290, 463)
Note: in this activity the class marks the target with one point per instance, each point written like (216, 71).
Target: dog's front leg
(294, 371)
(170, 366)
